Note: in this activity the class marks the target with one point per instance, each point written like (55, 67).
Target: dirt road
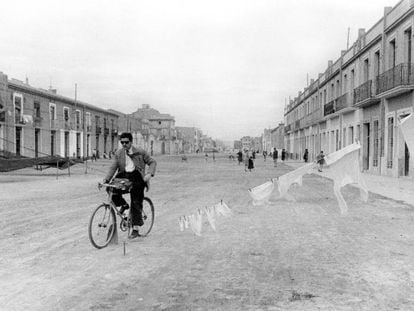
(287, 255)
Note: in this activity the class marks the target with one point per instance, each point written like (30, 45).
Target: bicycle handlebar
(100, 185)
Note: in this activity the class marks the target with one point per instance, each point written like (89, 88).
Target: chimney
(387, 10)
(311, 81)
(27, 80)
(330, 63)
(54, 91)
(361, 32)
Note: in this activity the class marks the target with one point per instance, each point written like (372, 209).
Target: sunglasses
(125, 142)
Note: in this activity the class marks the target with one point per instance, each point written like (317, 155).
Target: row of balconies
(400, 75)
(396, 80)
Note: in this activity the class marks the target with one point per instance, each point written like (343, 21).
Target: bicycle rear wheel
(148, 217)
(102, 226)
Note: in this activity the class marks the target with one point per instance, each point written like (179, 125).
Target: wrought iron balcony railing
(329, 108)
(402, 74)
(343, 102)
(98, 130)
(106, 131)
(363, 92)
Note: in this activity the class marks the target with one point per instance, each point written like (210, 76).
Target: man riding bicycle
(129, 162)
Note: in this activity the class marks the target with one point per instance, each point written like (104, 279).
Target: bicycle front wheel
(147, 216)
(102, 226)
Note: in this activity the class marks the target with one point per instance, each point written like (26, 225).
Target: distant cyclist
(129, 162)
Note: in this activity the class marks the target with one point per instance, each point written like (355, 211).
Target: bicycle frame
(125, 223)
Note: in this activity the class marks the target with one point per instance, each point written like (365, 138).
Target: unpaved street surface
(287, 255)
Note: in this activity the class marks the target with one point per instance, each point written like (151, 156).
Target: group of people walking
(249, 157)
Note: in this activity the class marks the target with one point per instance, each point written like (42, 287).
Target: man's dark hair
(126, 135)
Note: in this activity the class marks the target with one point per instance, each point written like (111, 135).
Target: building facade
(189, 138)
(267, 140)
(40, 123)
(361, 97)
(277, 136)
(162, 128)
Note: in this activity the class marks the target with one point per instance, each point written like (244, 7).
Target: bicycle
(102, 222)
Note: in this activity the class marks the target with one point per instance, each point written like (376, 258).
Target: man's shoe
(134, 234)
(140, 222)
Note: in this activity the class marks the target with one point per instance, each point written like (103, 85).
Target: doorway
(366, 132)
(406, 160)
(37, 139)
(18, 140)
(78, 145)
(66, 144)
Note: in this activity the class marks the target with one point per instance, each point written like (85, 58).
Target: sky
(226, 67)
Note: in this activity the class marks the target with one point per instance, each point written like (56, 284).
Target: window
(338, 89)
(344, 137)
(352, 80)
(390, 141)
(376, 141)
(376, 63)
(366, 70)
(345, 84)
(392, 54)
(78, 117)
(66, 114)
(18, 107)
(36, 110)
(351, 135)
(52, 112)
(88, 119)
(407, 36)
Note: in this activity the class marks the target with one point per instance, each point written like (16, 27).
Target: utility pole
(347, 40)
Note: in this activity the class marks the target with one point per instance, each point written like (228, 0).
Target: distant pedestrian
(246, 160)
(240, 157)
(94, 155)
(305, 156)
(254, 154)
(264, 155)
(283, 156)
(275, 157)
(214, 157)
(206, 156)
(250, 164)
(320, 159)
